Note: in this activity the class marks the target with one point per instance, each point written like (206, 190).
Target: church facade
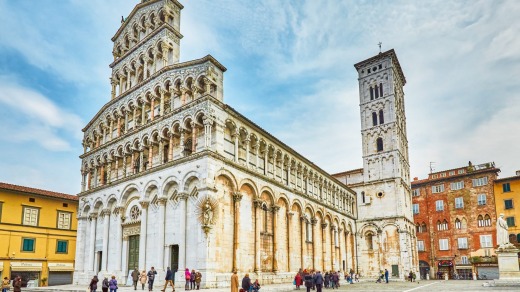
(174, 177)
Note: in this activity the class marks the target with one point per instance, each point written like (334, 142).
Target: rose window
(134, 213)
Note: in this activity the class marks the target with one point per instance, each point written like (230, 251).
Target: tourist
(246, 283)
(192, 280)
(151, 277)
(104, 285)
(143, 278)
(234, 281)
(187, 276)
(256, 286)
(168, 279)
(198, 278)
(307, 277)
(413, 276)
(17, 284)
(113, 284)
(297, 281)
(5, 285)
(335, 280)
(135, 277)
(410, 276)
(386, 276)
(93, 284)
(318, 280)
(326, 280)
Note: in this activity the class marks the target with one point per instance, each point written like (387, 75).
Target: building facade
(455, 218)
(385, 235)
(507, 196)
(174, 177)
(37, 235)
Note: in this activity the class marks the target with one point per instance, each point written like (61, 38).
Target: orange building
(455, 217)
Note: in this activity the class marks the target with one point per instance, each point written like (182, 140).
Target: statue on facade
(208, 213)
(502, 234)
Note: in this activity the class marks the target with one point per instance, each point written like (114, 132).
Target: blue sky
(290, 70)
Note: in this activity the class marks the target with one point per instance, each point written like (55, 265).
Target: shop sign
(445, 264)
(24, 264)
(61, 265)
(485, 265)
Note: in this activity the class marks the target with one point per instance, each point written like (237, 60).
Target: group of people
(17, 284)
(105, 285)
(383, 277)
(193, 279)
(247, 284)
(412, 276)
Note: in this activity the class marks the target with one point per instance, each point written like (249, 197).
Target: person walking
(93, 284)
(234, 281)
(192, 280)
(151, 277)
(17, 284)
(198, 278)
(307, 277)
(112, 284)
(410, 276)
(135, 277)
(319, 281)
(168, 279)
(143, 278)
(187, 276)
(104, 285)
(246, 283)
(386, 276)
(298, 281)
(326, 280)
(5, 285)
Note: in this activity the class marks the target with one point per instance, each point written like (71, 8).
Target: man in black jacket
(168, 279)
(318, 280)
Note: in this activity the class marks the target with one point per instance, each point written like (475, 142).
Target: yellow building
(507, 199)
(37, 235)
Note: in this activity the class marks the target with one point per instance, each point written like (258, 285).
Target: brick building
(455, 217)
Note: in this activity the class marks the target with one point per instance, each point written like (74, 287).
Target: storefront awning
(60, 267)
(26, 267)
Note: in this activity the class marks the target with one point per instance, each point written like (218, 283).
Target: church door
(133, 252)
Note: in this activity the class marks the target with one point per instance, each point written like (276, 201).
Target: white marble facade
(165, 147)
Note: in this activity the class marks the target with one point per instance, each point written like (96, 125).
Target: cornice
(388, 54)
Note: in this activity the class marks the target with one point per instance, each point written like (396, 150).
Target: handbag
(294, 282)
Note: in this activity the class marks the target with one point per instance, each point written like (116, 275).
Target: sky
(290, 70)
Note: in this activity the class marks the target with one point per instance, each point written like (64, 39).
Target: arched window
(487, 220)
(480, 221)
(377, 91)
(187, 146)
(381, 89)
(374, 119)
(379, 144)
(370, 243)
(381, 117)
(439, 225)
(424, 229)
(445, 225)
(464, 223)
(458, 224)
(371, 93)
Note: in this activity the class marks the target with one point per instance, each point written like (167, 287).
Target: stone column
(113, 90)
(83, 182)
(141, 160)
(333, 246)
(104, 135)
(124, 165)
(120, 84)
(208, 123)
(257, 146)
(341, 255)
(118, 127)
(161, 151)
(290, 215)
(80, 243)
(150, 155)
(235, 136)
(275, 209)
(258, 206)
(275, 155)
(145, 72)
(247, 140)
(118, 213)
(93, 221)
(102, 174)
(106, 222)
(111, 129)
(160, 240)
(170, 148)
(324, 244)
(237, 197)
(109, 171)
(152, 108)
(86, 244)
(303, 227)
(193, 137)
(265, 161)
(143, 234)
(181, 142)
(161, 105)
(183, 202)
(116, 175)
(143, 114)
(314, 245)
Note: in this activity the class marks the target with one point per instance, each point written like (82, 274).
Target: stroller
(381, 278)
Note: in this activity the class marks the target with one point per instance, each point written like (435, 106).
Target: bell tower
(386, 232)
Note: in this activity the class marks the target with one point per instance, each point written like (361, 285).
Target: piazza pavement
(432, 285)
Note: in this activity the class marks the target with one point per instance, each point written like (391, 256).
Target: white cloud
(35, 118)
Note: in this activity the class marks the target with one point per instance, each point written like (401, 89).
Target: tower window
(371, 93)
(374, 119)
(381, 89)
(381, 117)
(363, 197)
(380, 66)
(377, 91)
(379, 144)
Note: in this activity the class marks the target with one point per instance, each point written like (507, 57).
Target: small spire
(379, 44)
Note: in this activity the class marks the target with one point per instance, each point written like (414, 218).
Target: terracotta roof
(10, 187)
